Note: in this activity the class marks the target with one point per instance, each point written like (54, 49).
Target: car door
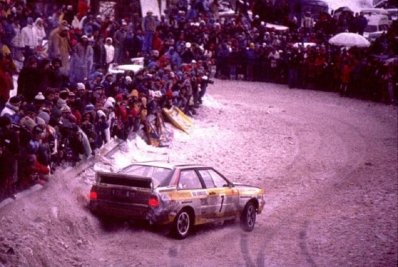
(222, 197)
(191, 191)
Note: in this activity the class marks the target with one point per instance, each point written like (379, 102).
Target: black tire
(248, 217)
(182, 224)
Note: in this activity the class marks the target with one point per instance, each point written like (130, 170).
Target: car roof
(169, 165)
(374, 11)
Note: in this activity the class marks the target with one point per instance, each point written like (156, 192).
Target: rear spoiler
(123, 179)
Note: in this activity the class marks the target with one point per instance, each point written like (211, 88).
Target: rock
(10, 251)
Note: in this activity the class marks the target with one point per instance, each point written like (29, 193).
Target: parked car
(377, 25)
(392, 13)
(180, 195)
(370, 13)
(373, 11)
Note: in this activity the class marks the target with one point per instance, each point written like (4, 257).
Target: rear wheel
(248, 217)
(182, 224)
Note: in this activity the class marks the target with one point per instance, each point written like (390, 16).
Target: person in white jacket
(28, 37)
(16, 44)
(109, 52)
(39, 31)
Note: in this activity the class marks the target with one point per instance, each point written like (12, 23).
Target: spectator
(149, 25)
(89, 129)
(187, 55)
(39, 31)
(29, 79)
(274, 61)
(59, 47)
(118, 42)
(17, 45)
(11, 109)
(28, 37)
(109, 52)
(307, 22)
(6, 83)
(9, 150)
(82, 61)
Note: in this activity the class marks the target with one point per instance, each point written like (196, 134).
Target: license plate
(122, 194)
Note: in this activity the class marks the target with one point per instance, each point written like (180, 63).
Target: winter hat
(40, 121)
(40, 96)
(44, 116)
(110, 102)
(89, 108)
(81, 86)
(27, 123)
(65, 91)
(169, 94)
(119, 97)
(128, 79)
(100, 113)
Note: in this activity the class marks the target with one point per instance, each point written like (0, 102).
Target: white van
(373, 11)
(377, 25)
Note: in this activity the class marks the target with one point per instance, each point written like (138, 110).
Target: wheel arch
(190, 211)
(254, 201)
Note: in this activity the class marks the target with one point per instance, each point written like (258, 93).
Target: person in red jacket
(345, 76)
(6, 84)
(34, 172)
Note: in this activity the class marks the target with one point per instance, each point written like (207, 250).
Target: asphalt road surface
(328, 165)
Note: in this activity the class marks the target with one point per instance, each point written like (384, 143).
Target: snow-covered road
(328, 165)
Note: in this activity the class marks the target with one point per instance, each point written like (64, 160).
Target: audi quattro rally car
(182, 195)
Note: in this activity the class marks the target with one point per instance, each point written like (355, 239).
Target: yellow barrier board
(178, 118)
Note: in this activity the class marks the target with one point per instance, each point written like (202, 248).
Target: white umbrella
(349, 39)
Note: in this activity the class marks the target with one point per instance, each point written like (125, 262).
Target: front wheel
(182, 225)
(248, 217)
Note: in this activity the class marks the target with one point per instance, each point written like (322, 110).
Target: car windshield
(160, 176)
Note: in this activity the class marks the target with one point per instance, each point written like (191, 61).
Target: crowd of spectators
(68, 104)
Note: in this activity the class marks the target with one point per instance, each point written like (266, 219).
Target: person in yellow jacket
(59, 46)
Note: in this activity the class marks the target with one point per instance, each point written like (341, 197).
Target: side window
(189, 180)
(218, 180)
(207, 179)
